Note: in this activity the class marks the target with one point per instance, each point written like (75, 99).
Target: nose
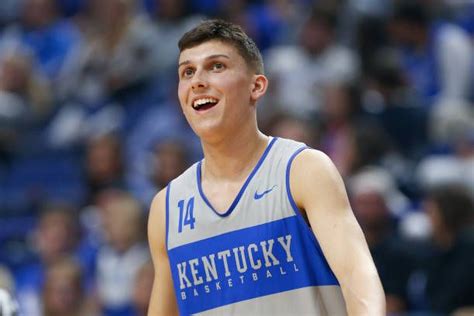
(199, 81)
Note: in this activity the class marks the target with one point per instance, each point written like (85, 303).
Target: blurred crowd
(91, 129)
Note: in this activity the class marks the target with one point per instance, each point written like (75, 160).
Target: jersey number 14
(186, 217)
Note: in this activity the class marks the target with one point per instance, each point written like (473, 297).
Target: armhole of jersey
(167, 213)
(297, 211)
(287, 176)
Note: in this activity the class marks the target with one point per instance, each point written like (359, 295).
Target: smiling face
(217, 89)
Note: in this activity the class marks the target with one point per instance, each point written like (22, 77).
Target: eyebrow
(207, 58)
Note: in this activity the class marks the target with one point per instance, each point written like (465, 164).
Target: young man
(232, 234)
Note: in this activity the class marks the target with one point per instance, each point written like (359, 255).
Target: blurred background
(90, 130)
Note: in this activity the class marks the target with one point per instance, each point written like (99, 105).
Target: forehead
(207, 49)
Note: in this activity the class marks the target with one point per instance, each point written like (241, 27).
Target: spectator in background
(162, 123)
(122, 255)
(318, 59)
(450, 277)
(24, 97)
(284, 16)
(368, 145)
(451, 158)
(63, 292)
(170, 160)
(268, 22)
(56, 235)
(92, 215)
(362, 26)
(389, 100)
(93, 218)
(6, 279)
(107, 82)
(104, 164)
(292, 127)
(8, 304)
(142, 288)
(117, 53)
(49, 37)
(171, 19)
(339, 111)
(437, 57)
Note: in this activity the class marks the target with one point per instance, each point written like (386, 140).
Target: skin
(232, 145)
(162, 299)
(319, 191)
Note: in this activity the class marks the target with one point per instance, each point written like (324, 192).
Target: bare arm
(319, 191)
(162, 300)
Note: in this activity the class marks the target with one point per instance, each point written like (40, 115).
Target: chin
(206, 126)
(209, 133)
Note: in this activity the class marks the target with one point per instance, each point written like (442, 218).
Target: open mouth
(204, 104)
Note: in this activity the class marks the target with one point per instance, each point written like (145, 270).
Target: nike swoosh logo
(258, 196)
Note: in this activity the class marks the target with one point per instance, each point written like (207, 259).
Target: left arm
(319, 191)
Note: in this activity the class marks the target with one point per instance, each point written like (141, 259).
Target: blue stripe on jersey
(167, 210)
(242, 190)
(247, 263)
(287, 178)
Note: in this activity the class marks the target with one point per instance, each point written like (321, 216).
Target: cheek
(182, 94)
(237, 89)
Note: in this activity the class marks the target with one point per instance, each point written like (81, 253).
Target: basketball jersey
(259, 257)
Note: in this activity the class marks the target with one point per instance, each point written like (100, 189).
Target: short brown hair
(226, 32)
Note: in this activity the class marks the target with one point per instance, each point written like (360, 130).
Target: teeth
(202, 101)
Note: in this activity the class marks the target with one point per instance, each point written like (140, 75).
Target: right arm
(163, 299)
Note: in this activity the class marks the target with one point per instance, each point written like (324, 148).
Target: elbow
(364, 294)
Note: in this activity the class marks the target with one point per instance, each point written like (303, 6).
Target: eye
(187, 72)
(218, 66)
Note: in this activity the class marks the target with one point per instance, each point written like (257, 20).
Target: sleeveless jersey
(259, 257)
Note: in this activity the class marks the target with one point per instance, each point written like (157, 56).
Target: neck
(233, 158)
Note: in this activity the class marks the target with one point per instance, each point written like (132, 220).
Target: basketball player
(260, 226)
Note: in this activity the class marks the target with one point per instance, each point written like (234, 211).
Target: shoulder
(314, 177)
(159, 198)
(157, 209)
(156, 228)
(312, 162)
(302, 161)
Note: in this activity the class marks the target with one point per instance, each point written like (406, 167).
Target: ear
(259, 87)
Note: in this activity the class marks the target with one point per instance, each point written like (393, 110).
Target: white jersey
(259, 257)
